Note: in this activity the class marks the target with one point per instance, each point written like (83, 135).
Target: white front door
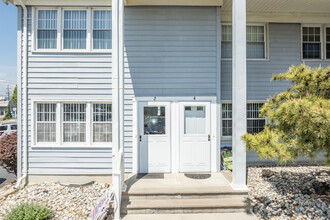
(195, 145)
(154, 137)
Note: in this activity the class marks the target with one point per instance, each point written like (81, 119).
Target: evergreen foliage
(8, 115)
(298, 121)
(29, 211)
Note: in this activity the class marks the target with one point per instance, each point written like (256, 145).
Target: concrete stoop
(212, 216)
(185, 203)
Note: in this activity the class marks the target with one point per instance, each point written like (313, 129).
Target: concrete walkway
(215, 216)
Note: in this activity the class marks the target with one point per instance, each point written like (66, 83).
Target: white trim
(218, 108)
(302, 42)
(60, 30)
(266, 42)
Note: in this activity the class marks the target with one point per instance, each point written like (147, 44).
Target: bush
(29, 211)
(8, 115)
(8, 152)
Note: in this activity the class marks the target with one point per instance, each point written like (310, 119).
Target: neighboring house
(3, 108)
(183, 96)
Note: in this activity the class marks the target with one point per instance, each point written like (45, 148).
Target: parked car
(6, 129)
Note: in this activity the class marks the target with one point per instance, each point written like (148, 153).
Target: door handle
(209, 137)
(140, 138)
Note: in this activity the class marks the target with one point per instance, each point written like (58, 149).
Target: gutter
(25, 97)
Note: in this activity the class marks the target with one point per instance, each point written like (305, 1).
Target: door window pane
(154, 120)
(194, 120)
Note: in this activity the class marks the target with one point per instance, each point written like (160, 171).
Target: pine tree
(298, 121)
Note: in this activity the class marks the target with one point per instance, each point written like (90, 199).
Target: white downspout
(25, 104)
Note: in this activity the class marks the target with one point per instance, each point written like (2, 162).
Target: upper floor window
(328, 42)
(72, 29)
(102, 29)
(47, 29)
(311, 42)
(255, 41)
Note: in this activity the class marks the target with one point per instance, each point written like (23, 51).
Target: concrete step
(203, 216)
(198, 205)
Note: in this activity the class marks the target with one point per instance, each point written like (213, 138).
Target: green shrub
(29, 211)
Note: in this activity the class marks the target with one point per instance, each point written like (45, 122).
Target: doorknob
(209, 137)
(140, 138)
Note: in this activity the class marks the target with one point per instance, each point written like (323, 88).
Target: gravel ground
(74, 203)
(301, 192)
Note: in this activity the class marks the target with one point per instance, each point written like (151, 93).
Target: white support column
(239, 94)
(117, 102)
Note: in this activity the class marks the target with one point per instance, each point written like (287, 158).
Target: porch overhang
(127, 2)
(282, 11)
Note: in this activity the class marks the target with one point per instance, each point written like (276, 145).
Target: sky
(8, 45)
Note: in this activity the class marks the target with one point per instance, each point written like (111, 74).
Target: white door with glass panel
(154, 137)
(195, 143)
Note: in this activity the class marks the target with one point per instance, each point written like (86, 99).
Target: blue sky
(8, 42)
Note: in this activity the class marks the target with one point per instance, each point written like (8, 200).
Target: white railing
(118, 182)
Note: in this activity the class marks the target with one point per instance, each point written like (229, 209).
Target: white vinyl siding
(102, 34)
(46, 122)
(47, 29)
(312, 43)
(255, 41)
(102, 123)
(74, 122)
(75, 29)
(255, 123)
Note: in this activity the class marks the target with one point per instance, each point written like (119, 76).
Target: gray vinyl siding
(67, 76)
(284, 51)
(170, 51)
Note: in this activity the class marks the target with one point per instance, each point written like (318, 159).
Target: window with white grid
(311, 42)
(102, 123)
(255, 41)
(74, 122)
(75, 29)
(47, 29)
(46, 122)
(226, 119)
(255, 123)
(102, 34)
(328, 42)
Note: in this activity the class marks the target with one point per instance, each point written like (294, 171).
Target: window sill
(226, 138)
(72, 51)
(75, 145)
(315, 60)
(229, 59)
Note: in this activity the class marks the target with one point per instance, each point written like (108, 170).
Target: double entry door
(167, 129)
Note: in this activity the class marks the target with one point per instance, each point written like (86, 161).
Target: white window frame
(266, 41)
(254, 118)
(227, 138)
(92, 125)
(45, 122)
(59, 125)
(326, 42)
(302, 42)
(92, 29)
(60, 27)
(36, 18)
